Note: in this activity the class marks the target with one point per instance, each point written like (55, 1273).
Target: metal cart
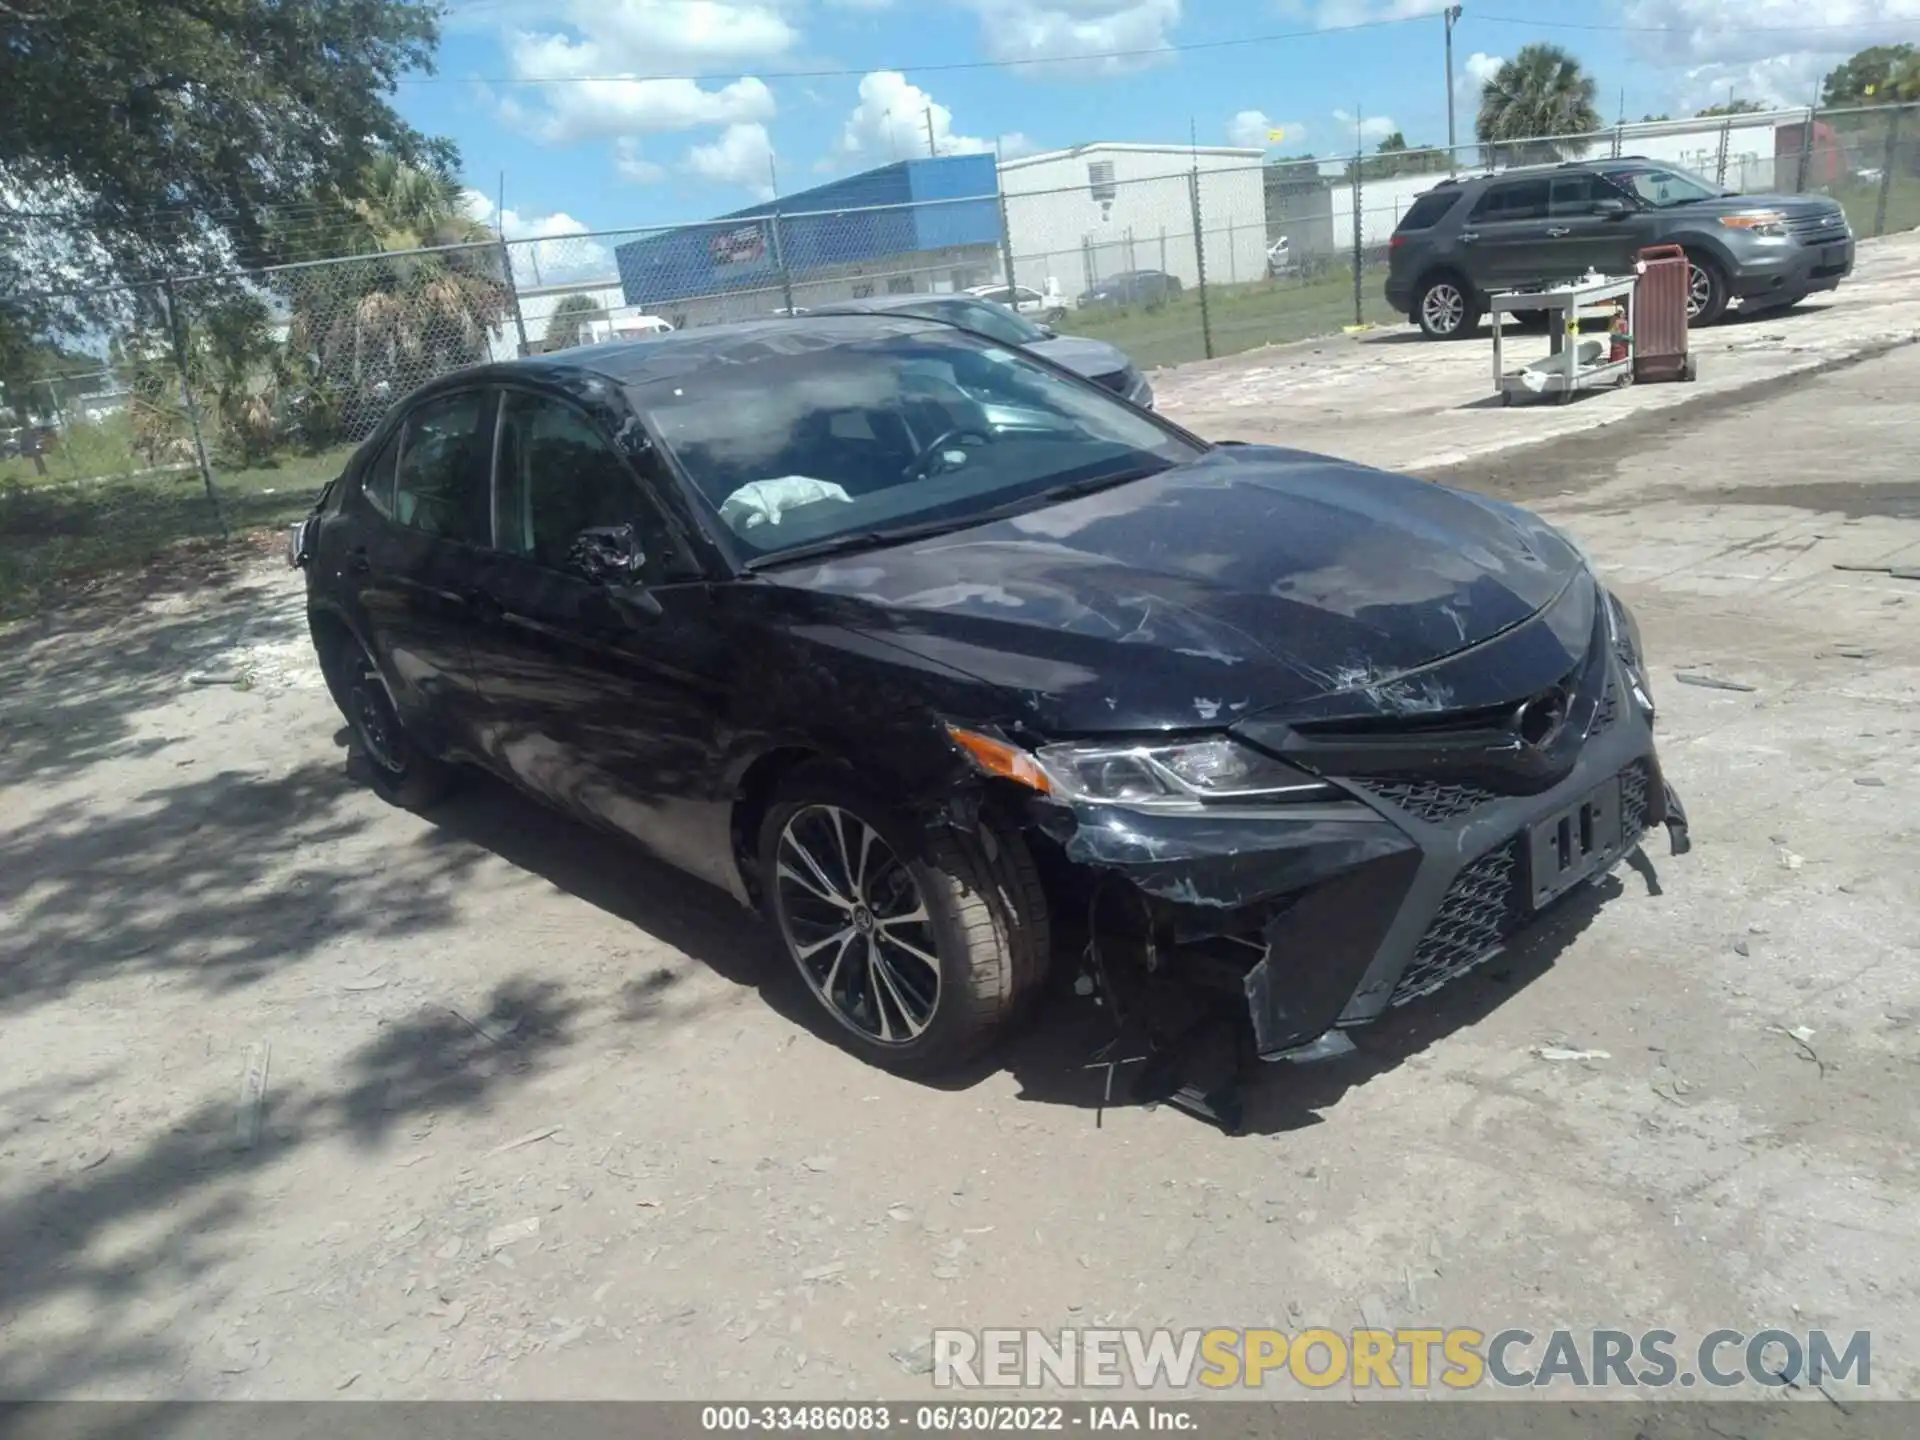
(1566, 305)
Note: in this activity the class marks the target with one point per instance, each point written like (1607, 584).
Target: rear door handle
(357, 560)
(1556, 231)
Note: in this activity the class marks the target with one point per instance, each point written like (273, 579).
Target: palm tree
(1540, 94)
(422, 287)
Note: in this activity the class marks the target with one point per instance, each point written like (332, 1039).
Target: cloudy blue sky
(796, 91)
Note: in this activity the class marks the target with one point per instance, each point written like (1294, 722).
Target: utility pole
(931, 150)
(1451, 15)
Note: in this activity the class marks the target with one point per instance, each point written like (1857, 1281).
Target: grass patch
(1242, 317)
(86, 449)
(56, 538)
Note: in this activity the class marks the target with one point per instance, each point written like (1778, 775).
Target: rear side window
(441, 483)
(1429, 210)
(1517, 200)
(376, 481)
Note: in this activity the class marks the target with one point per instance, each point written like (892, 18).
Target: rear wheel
(398, 769)
(1446, 309)
(921, 946)
(1707, 292)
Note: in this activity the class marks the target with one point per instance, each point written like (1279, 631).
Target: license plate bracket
(1573, 844)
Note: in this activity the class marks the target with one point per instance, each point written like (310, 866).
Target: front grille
(1482, 909)
(1633, 801)
(1475, 918)
(1430, 800)
(1817, 226)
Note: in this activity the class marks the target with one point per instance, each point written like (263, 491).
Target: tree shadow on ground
(97, 1240)
(74, 684)
(212, 883)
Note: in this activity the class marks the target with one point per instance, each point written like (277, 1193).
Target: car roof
(681, 352)
(879, 303)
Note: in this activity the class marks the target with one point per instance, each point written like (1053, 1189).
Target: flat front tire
(921, 946)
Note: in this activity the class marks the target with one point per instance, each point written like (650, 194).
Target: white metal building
(1079, 215)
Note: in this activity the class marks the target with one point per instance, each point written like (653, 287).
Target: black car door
(609, 706)
(420, 525)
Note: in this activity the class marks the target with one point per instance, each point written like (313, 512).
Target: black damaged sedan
(949, 661)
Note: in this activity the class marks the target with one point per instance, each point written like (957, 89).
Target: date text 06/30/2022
(941, 1419)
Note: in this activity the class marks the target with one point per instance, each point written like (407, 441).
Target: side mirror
(1047, 332)
(1610, 209)
(610, 556)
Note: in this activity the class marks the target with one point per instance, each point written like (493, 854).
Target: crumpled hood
(1247, 580)
(1092, 358)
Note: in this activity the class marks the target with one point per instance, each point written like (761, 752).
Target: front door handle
(1467, 237)
(1556, 231)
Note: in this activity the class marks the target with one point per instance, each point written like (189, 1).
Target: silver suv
(1472, 237)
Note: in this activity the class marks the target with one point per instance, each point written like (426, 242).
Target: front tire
(1707, 290)
(921, 946)
(1446, 309)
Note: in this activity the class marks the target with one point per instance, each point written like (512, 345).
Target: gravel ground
(540, 1119)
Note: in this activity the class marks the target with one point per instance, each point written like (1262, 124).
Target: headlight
(1624, 635)
(1758, 222)
(1180, 775)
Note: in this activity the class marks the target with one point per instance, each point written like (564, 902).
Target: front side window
(440, 482)
(1573, 195)
(376, 481)
(558, 476)
(837, 436)
(1664, 185)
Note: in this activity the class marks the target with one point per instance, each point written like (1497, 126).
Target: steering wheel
(919, 467)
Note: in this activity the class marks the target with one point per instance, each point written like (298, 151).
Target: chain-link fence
(1172, 255)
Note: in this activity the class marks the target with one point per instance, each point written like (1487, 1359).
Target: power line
(1743, 29)
(930, 68)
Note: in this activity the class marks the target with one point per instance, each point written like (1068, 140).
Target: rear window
(1429, 209)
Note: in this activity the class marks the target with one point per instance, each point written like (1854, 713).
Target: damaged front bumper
(1357, 906)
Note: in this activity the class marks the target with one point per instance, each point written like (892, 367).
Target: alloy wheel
(1699, 290)
(857, 925)
(1443, 308)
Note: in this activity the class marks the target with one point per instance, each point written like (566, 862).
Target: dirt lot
(542, 1120)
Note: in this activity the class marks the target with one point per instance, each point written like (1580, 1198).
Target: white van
(624, 327)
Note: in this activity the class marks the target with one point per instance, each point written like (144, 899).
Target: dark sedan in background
(935, 653)
(1130, 287)
(1095, 359)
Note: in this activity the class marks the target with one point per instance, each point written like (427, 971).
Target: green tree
(425, 286)
(1873, 77)
(1733, 107)
(139, 137)
(569, 319)
(1540, 94)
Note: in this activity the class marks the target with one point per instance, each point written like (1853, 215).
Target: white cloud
(743, 155)
(1754, 46)
(1042, 29)
(1372, 127)
(892, 121)
(1339, 14)
(646, 37)
(1253, 129)
(550, 252)
(634, 166)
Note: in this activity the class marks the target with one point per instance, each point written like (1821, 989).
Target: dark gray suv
(1474, 236)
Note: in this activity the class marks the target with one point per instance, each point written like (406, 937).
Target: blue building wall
(868, 217)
